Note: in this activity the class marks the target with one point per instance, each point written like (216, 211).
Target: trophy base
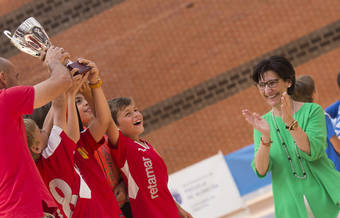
(82, 68)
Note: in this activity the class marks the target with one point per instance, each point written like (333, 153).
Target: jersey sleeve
(257, 141)
(329, 126)
(89, 142)
(316, 132)
(59, 140)
(19, 99)
(118, 152)
(332, 110)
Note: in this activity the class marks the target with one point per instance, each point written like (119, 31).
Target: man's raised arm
(59, 81)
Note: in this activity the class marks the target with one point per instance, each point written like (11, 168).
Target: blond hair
(30, 127)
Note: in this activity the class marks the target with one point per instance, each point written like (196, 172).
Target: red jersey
(146, 176)
(76, 195)
(108, 166)
(103, 202)
(104, 160)
(22, 191)
(56, 167)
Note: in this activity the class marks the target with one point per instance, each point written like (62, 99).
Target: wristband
(266, 144)
(292, 126)
(98, 84)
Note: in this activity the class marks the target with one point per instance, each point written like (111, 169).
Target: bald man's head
(4, 64)
(8, 76)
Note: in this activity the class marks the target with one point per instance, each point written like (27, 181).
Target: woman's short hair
(278, 64)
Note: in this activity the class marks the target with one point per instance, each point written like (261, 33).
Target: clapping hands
(286, 109)
(257, 122)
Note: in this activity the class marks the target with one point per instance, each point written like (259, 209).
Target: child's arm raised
(72, 128)
(99, 125)
(112, 132)
(47, 126)
(59, 111)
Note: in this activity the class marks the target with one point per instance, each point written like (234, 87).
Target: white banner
(206, 189)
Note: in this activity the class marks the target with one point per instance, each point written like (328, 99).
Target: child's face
(85, 112)
(38, 145)
(130, 121)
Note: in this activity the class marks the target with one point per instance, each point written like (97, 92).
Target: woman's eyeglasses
(270, 84)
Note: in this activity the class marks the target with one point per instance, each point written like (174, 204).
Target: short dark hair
(118, 104)
(278, 64)
(39, 115)
(304, 89)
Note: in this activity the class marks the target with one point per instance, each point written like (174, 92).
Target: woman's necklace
(304, 175)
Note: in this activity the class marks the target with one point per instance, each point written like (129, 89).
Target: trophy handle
(8, 34)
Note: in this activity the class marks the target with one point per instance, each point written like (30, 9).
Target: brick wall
(187, 63)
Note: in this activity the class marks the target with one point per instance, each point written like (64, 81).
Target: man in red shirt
(22, 191)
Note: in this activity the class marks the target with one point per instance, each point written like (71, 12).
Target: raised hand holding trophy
(31, 38)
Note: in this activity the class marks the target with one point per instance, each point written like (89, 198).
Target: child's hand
(77, 82)
(120, 193)
(94, 72)
(183, 213)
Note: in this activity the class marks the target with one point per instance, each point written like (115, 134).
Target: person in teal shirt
(290, 141)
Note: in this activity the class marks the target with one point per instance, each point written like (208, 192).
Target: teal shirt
(321, 187)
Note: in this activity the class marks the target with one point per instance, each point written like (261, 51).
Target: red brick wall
(152, 50)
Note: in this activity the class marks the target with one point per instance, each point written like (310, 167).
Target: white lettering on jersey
(152, 181)
(143, 145)
(67, 197)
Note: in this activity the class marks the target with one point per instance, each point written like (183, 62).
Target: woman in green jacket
(290, 141)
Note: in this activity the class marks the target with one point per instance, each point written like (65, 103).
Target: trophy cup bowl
(31, 38)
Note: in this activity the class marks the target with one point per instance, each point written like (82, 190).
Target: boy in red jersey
(78, 186)
(85, 105)
(143, 170)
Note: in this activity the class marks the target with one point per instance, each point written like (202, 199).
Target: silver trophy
(31, 38)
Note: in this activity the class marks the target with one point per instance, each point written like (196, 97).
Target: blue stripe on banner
(239, 163)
